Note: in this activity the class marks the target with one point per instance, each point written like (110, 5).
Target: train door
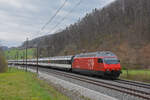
(77, 63)
(100, 64)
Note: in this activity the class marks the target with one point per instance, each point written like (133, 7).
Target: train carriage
(59, 62)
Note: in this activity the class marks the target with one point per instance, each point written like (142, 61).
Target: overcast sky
(24, 18)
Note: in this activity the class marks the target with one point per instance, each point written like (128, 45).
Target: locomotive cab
(112, 67)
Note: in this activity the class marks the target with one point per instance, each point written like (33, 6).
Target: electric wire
(57, 11)
(65, 17)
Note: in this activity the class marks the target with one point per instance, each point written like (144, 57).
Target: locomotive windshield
(111, 60)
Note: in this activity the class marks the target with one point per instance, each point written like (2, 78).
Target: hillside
(19, 53)
(122, 27)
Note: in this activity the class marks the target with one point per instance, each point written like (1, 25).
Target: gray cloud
(23, 18)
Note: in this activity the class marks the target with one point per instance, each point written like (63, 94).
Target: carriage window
(100, 60)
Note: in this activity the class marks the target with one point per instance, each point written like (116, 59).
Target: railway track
(127, 90)
(101, 83)
(138, 84)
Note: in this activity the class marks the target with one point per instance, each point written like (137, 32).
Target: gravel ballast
(93, 95)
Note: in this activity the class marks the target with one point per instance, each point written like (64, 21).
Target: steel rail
(106, 85)
(138, 84)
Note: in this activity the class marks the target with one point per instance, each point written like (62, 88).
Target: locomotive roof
(48, 58)
(96, 54)
(57, 58)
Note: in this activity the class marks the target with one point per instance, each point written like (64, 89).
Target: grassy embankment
(12, 54)
(19, 85)
(137, 75)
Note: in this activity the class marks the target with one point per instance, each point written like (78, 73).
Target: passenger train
(103, 63)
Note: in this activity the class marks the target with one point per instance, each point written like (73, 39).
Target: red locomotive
(97, 63)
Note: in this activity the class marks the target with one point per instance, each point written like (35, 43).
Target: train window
(111, 60)
(100, 60)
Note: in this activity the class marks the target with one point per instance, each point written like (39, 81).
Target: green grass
(19, 85)
(12, 54)
(137, 75)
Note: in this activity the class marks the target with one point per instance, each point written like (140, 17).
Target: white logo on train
(91, 63)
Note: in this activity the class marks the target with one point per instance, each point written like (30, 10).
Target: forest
(122, 27)
(3, 62)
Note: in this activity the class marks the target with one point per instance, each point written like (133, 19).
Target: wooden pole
(37, 68)
(23, 59)
(26, 53)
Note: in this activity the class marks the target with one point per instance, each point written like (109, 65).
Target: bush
(3, 63)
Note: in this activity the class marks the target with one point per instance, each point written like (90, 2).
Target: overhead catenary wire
(78, 3)
(57, 11)
(60, 22)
